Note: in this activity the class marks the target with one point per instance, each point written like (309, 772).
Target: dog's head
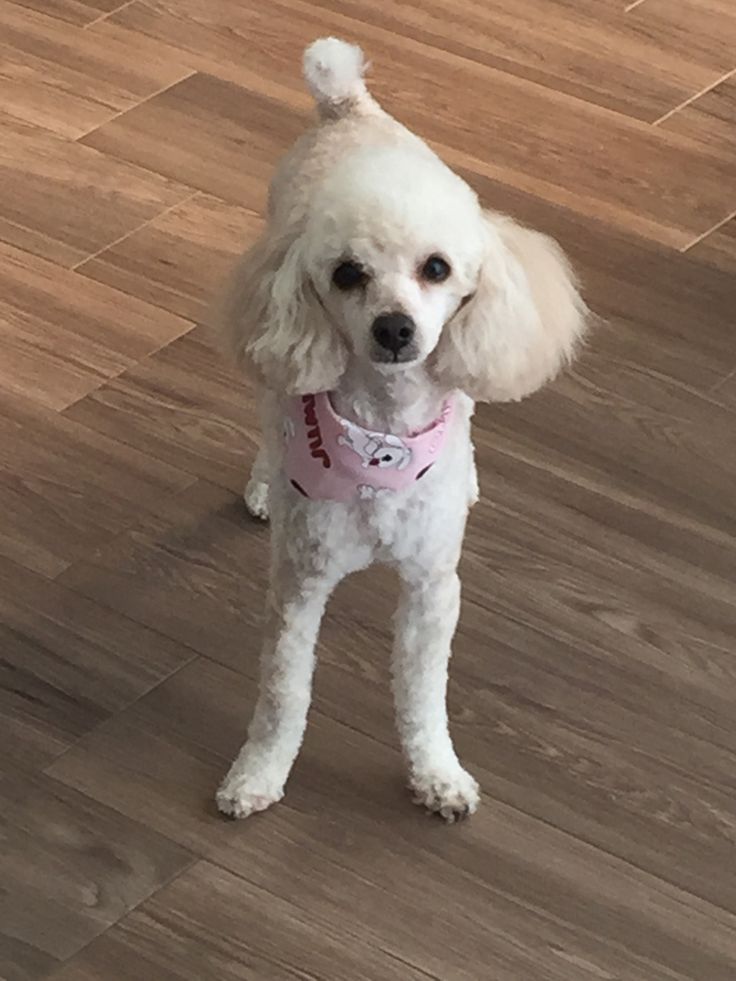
(395, 263)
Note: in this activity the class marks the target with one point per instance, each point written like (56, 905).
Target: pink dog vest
(328, 458)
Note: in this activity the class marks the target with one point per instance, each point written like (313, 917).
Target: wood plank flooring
(594, 678)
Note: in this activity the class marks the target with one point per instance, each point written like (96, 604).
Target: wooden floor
(594, 679)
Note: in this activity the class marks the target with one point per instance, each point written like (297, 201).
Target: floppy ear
(523, 323)
(274, 324)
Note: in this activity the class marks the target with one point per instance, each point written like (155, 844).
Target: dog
(379, 304)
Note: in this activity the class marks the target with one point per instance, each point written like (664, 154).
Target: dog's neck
(399, 402)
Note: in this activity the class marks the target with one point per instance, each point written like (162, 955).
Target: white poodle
(380, 299)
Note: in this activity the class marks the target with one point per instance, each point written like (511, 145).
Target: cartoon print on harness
(376, 449)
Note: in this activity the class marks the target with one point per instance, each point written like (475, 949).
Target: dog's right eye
(348, 275)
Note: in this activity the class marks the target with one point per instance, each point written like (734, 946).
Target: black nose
(393, 331)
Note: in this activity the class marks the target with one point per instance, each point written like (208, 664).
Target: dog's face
(393, 253)
(394, 263)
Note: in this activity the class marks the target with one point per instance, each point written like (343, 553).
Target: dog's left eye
(435, 269)
(348, 275)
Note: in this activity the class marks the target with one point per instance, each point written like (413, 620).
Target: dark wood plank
(70, 195)
(63, 335)
(549, 610)
(178, 261)
(70, 868)
(65, 490)
(67, 665)
(205, 541)
(593, 679)
(519, 896)
(184, 406)
(509, 128)
(674, 501)
(725, 393)
(210, 916)
(62, 79)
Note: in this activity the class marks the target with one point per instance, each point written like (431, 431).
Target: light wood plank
(63, 335)
(78, 12)
(225, 139)
(710, 118)
(520, 133)
(702, 30)
(72, 196)
(179, 260)
(718, 248)
(584, 48)
(62, 79)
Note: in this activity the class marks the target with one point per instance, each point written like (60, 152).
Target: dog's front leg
(257, 777)
(425, 624)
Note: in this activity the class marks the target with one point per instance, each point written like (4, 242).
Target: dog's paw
(256, 498)
(453, 795)
(238, 797)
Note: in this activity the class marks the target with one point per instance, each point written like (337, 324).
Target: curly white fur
(361, 188)
(334, 73)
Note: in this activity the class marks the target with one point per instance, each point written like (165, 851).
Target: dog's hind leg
(261, 474)
(425, 624)
(256, 490)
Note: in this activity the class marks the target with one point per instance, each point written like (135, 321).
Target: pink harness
(328, 458)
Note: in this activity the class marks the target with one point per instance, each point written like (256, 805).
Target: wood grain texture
(65, 81)
(527, 136)
(593, 677)
(74, 12)
(96, 200)
(709, 118)
(65, 489)
(210, 916)
(67, 665)
(704, 30)
(534, 917)
(718, 248)
(219, 138)
(647, 296)
(538, 604)
(184, 406)
(69, 869)
(60, 340)
(584, 49)
(78, 12)
(179, 260)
